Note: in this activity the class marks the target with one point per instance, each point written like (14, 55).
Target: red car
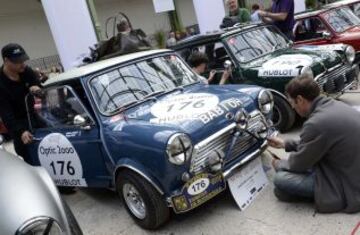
(353, 4)
(329, 25)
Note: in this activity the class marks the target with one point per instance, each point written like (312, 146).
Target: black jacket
(12, 100)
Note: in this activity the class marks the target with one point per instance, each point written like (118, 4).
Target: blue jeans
(295, 184)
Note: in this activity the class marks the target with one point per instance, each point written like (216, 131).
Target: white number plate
(246, 184)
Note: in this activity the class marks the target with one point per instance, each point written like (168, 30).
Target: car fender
(138, 168)
(275, 92)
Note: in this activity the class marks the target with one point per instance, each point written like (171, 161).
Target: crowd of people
(324, 165)
(281, 14)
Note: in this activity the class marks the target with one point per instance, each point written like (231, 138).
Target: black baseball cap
(14, 52)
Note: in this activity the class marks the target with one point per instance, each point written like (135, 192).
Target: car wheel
(142, 201)
(73, 224)
(66, 190)
(283, 115)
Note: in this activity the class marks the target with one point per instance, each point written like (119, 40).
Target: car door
(66, 139)
(312, 31)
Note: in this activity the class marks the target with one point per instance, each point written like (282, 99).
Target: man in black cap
(16, 81)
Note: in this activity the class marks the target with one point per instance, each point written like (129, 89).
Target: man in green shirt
(243, 14)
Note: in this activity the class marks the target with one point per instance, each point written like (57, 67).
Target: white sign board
(163, 5)
(246, 184)
(209, 14)
(72, 29)
(299, 6)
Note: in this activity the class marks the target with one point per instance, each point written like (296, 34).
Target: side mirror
(326, 35)
(1, 140)
(81, 121)
(227, 64)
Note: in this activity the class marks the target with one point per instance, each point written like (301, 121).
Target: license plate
(198, 190)
(246, 184)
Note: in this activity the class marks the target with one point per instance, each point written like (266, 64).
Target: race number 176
(62, 167)
(196, 104)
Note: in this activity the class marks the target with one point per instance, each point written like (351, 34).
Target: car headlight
(179, 149)
(265, 101)
(241, 118)
(350, 54)
(307, 71)
(40, 226)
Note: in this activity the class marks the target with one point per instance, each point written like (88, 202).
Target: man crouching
(325, 164)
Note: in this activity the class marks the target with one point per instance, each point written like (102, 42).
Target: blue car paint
(129, 140)
(142, 145)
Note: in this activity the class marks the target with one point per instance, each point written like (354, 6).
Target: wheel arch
(140, 171)
(281, 95)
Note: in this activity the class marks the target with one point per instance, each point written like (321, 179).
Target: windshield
(341, 19)
(253, 44)
(356, 9)
(139, 81)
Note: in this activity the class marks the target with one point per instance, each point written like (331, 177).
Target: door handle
(37, 139)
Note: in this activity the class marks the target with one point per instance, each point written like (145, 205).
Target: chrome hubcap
(134, 201)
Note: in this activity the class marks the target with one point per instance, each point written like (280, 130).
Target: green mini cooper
(262, 55)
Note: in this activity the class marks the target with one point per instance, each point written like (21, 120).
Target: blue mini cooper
(145, 125)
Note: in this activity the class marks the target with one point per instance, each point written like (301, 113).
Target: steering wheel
(132, 91)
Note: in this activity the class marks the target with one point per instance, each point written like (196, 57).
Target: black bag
(120, 44)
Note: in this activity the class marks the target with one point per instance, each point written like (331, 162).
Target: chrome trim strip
(204, 142)
(328, 71)
(140, 173)
(250, 157)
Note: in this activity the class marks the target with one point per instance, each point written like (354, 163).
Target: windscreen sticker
(59, 157)
(183, 107)
(223, 108)
(285, 66)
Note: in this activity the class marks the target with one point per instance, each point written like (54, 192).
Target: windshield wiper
(191, 84)
(154, 94)
(134, 103)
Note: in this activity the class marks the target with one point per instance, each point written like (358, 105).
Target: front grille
(334, 80)
(221, 140)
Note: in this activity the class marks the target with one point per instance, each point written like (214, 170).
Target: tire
(73, 224)
(283, 116)
(156, 210)
(67, 190)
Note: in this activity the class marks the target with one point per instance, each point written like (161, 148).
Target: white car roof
(97, 66)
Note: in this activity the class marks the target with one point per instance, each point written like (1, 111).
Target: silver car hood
(26, 192)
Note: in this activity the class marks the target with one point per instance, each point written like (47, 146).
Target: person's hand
(262, 13)
(211, 76)
(26, 137)
(276, 142)
(212, 73)
(225, 76)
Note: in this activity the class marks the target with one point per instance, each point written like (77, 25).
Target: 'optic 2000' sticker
(183, 107)
(59, 157)
(285, 66)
